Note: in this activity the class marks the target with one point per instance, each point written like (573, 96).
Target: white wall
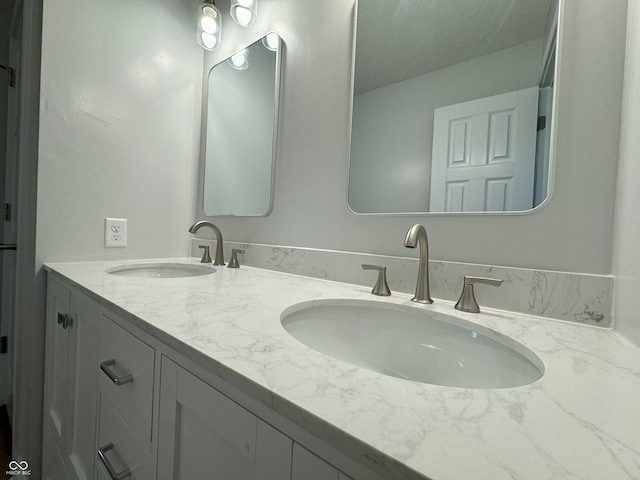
(626, 265)
(392, 135)
(573, 232)
(120, 92)
(119, 126)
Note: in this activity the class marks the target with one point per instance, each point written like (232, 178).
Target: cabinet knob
(65, 320)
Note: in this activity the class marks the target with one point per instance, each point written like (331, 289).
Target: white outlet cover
(115, 232)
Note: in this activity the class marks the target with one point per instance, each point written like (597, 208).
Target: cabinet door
(203, 434)
(79, 441)
(308, 466)
(56, 359)
(53, 467)
(70, 384)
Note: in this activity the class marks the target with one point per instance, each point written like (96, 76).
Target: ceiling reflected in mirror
(452, 105)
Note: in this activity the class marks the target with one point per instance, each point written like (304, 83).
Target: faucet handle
(467, 301)
(381, 288)
(233, 263)
(206, 256)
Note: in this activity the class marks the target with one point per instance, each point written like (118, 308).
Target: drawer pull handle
(107, 464)
(104, 366)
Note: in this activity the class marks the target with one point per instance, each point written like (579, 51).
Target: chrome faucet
(417, 236)
(219, 260)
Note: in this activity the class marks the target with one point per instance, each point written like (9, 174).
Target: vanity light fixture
(240, 61)
(244, 12)
(209, 25)
(270, 41)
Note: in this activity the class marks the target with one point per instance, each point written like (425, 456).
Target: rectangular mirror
(240, 127)
(452, 105)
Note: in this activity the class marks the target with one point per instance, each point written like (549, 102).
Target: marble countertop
(581, 420)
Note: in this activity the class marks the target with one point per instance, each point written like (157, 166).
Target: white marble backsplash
(574, 297)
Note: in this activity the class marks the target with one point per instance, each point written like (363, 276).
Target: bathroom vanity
(196, 377)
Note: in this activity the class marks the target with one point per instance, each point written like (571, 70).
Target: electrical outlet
(115, 232)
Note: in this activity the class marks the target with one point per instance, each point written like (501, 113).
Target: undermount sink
(161, 270)
(414, 344)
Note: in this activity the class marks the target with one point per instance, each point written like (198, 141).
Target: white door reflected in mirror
(456, 53)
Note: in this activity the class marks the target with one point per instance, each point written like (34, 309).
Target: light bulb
(209, 24)
(270, 41)
(240, 61)
(209, 41)
(209, 27)
(243, 16)
(244, 12)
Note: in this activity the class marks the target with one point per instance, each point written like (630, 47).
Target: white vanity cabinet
(71, 360)
(120, 403)
(204, 434)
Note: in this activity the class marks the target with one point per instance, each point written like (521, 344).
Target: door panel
(8, 227)
(83, 386)
(484, 154)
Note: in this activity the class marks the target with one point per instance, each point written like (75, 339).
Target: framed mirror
(241, 127)
(452, 106)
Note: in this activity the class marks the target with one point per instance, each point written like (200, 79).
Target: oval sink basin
(417, 345)
(161, 270)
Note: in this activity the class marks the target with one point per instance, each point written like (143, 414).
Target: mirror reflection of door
(412, 58)
(484, 154)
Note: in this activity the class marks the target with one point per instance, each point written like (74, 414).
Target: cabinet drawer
(126, 376)
(120, 449)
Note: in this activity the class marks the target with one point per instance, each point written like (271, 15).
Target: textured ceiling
(399, 39)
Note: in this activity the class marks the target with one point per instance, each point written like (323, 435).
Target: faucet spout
(417, 237)
(219, 258)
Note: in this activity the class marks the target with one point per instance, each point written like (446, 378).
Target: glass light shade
(209, 26)
(270, 41)
(240, 61)
(244, 12)
(208, 41)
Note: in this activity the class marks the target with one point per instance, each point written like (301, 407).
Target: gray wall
(572, 232)
(626, 265)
